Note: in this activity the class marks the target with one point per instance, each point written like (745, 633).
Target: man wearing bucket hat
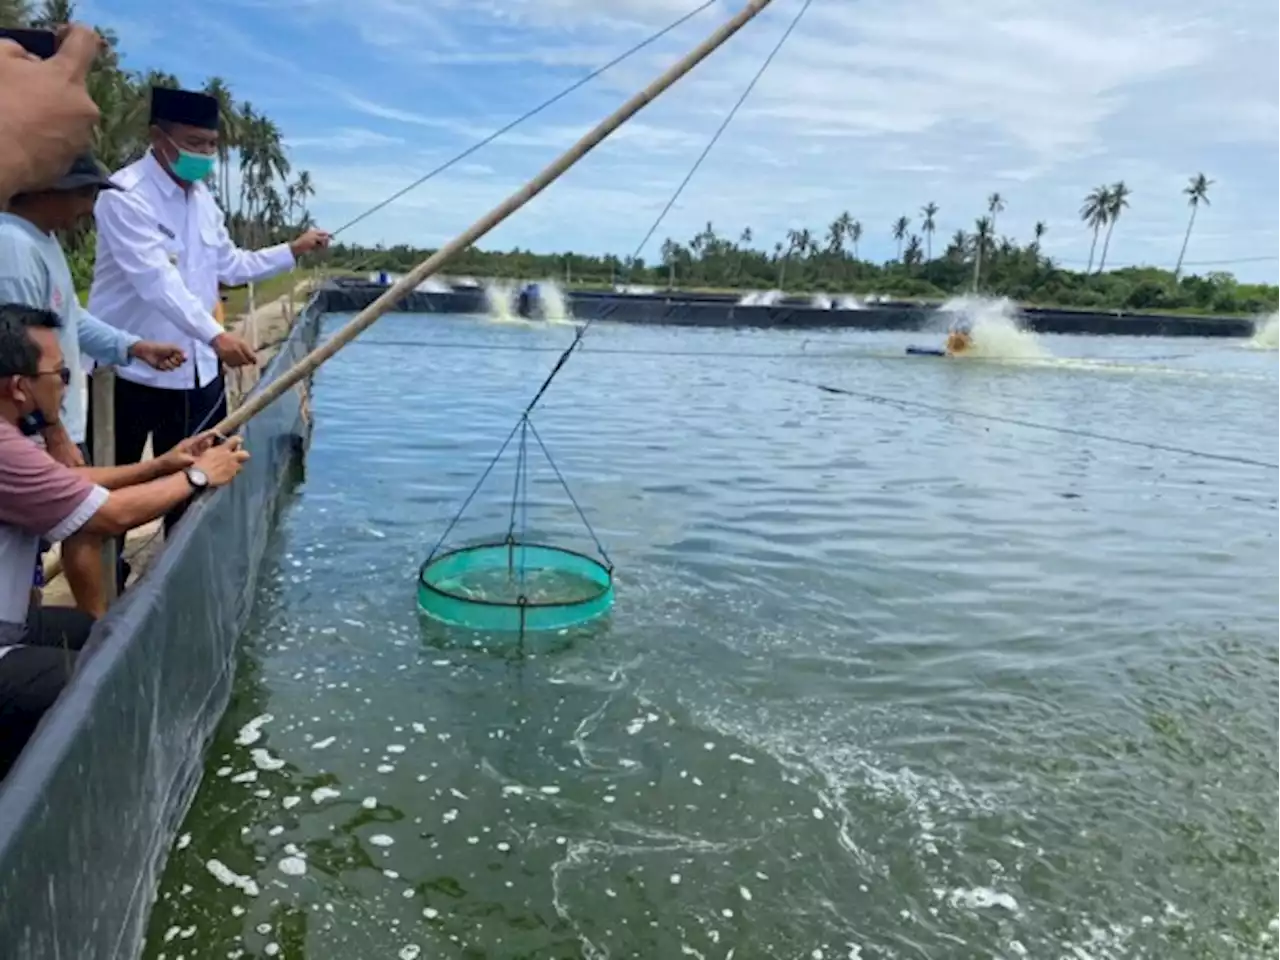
(34, 273)
(163, 249)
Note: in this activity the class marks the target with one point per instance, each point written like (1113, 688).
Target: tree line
(265, 204)
(804, 261)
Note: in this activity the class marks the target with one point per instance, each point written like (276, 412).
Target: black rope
(572, 499)
(474, 490)
(577, 339)
(715, 137)
(529, 114)
(1030, 424)
(803, 353)
(719, 131)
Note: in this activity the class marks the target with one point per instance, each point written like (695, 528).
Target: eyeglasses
(63, 374)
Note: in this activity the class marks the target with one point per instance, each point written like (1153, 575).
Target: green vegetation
(803, 263)
(265, 207)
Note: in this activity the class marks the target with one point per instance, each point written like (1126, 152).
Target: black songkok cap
(185, 107)
(38, 43)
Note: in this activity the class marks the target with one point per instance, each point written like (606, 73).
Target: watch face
(197, 477)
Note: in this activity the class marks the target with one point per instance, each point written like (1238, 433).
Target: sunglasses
(63, 374)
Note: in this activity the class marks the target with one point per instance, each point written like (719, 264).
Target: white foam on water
(263, 759)
(223, 771)
(321, 794)
(184, 841)
(419, 727)
(369, 803)
(430, 913)
(997, 331)
(450, 816)
(818, 814)
(513, 790)
(977, 898)
(410, 951)
(322, 744)
(744, 893)
(275, 831)
(271, 949)
(290, 802)
(249, 776)
(381, 840)
(228, 877)
(549, 790)
(251, 732)
(1266, 336)
(292, 866)
(395, 748)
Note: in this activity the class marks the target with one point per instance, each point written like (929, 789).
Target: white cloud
(870, 107)
(343, 139)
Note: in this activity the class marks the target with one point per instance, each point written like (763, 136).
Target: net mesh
(514, 587)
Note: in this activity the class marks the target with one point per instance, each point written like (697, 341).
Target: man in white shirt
(163, 248)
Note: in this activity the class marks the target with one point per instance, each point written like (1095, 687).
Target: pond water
(879, 681)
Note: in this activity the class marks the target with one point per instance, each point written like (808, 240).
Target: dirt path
(267, 327)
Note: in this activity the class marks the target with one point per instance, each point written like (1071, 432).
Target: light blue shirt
(34, 272)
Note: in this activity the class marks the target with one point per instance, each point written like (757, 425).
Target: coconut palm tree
(1117, 203)
(982, 232)
(228, 135)
(1094, 212)
(930, 224)
(52, 13)
(995, 205)
(14, 12)
(835, 237)
(914, 252)
(900, 231)
(1197, 191)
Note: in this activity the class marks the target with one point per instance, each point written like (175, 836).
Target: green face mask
(191, 167)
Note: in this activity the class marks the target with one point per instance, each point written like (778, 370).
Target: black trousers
(167, 417)
(34, 674)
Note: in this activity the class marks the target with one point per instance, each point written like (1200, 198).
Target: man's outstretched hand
(46, 114)
(308, 241)
(161, 356)
(233, 351)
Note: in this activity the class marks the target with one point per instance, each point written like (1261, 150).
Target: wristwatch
(33, 423)
(198, 479)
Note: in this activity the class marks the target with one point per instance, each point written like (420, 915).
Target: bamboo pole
(405, 285)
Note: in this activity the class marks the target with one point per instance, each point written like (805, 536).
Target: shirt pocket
(211, 230)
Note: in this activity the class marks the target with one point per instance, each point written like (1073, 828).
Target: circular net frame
(442, 594)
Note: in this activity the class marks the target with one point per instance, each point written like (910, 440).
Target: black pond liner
(90, 810)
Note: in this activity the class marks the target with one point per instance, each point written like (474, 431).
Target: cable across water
(715, 137)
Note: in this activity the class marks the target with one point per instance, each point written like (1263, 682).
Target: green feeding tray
(515, 587)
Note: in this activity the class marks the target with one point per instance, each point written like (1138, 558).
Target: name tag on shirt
(166, 231)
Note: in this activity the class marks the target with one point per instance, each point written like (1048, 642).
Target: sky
(876, 107)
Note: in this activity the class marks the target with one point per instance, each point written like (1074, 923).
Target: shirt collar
(24, 224)
(161, 176)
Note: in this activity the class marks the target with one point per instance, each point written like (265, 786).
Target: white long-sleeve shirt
(162, 252)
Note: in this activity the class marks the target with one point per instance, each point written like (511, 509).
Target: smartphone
(39, 43)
